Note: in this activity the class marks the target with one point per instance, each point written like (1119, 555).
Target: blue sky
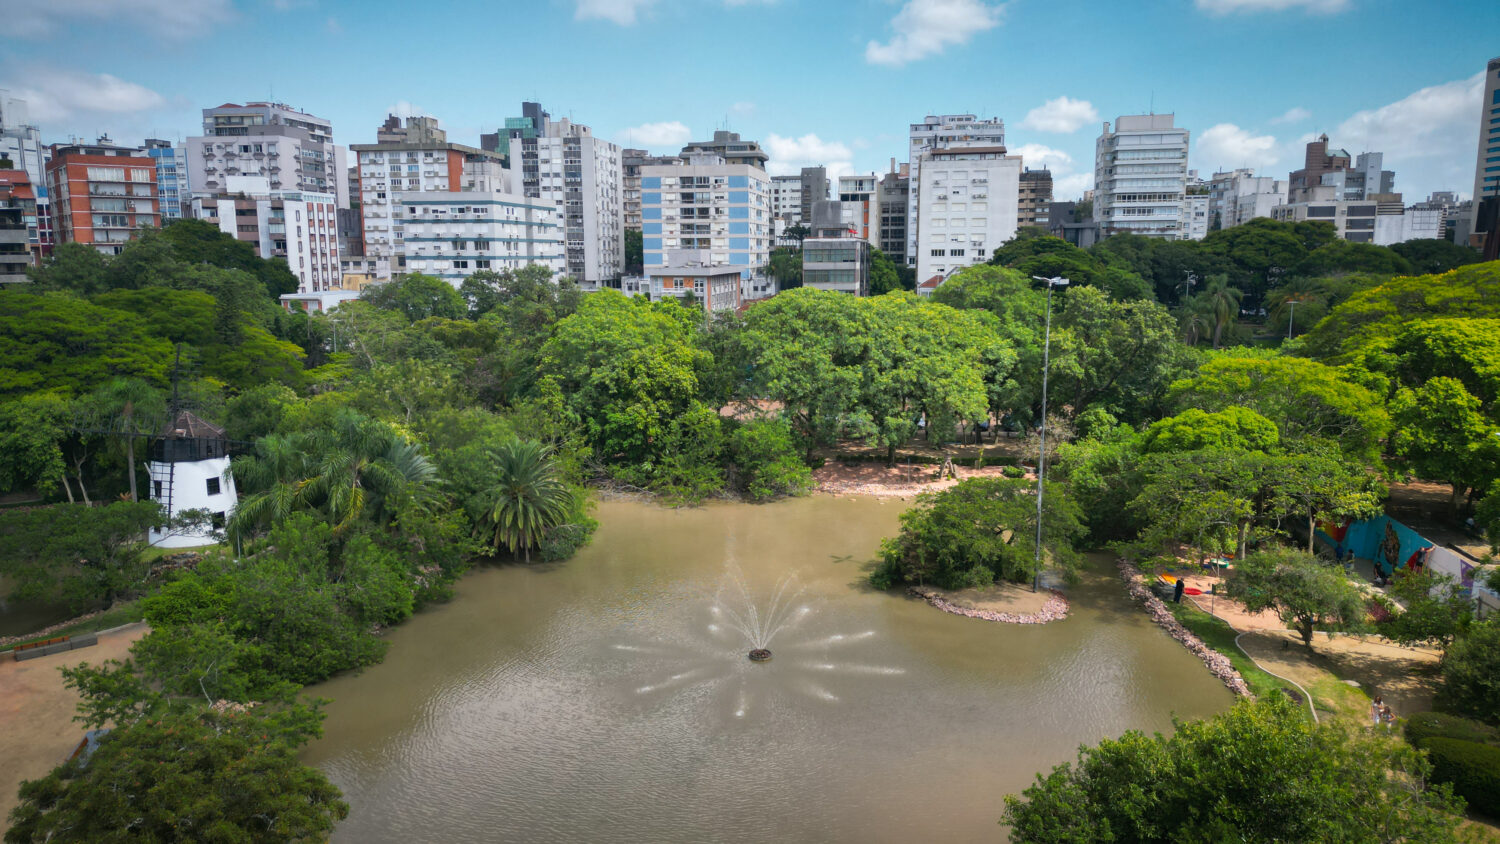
(815, 81)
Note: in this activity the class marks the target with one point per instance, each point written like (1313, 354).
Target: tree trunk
(1312, 527)
(68, 488)
(130, 461)
(1244, 539)
(1457, 501)
(1305, 630)
(890, 454)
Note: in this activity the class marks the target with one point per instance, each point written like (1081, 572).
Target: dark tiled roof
(186, 425)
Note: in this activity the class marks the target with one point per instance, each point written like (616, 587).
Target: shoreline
(1056, 608)
(1217, 663)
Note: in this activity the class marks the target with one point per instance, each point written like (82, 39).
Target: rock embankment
(1218, 664)
(1056, 608)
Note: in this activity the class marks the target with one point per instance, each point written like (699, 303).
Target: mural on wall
(1390, 547)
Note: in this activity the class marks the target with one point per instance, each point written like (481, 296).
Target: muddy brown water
(609, 698)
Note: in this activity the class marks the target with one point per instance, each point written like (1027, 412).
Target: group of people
(1380, 713)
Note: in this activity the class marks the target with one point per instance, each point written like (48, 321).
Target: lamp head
(1053, 282)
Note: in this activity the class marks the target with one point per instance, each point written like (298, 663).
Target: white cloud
(790, 155)
(70, 95)
(622, 12)
(405, 108)
(655, 135)
(172, 18)
(927, 27)
(1295, 114)
(1066, 185)
(1428, 137)
(1227, 146)
(743, 108)
(1060, 115)
(1228, 7)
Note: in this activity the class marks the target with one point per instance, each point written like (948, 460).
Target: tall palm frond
(528, 497)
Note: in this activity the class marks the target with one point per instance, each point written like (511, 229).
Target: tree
(1435, 610)
(764, 455)
(1464, 349)
(1440, 432)
(130, 408)
(786, 267)
(1371, 319)
(1222, 303)
(1471, 674)
(1233, 428)
(1120, 355)
(83, 555)
(32, 430)
(172, 771)
(884, 274)
(635, 259)
(56, 342)
(76, 267)
(1342, 256)
(1259, 772)
(1434, 255)
(1303, 591)
(417, 296)
(980, 531)
(527, 500)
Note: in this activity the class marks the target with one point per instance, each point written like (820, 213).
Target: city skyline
(823, 84)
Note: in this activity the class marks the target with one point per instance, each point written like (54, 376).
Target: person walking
(1376, 707)
(1388, 717)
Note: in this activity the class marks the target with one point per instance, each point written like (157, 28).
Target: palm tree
(1195, 323)
(1222, 303)
(130, 407)
(274, 476)
(528, 497)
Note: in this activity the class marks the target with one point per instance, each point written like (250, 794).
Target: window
(156, 490)
(939, 253)
(213, 486)
(106, 174)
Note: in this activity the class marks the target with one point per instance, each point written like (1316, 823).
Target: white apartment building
(299, 226)
(859, 203)
(1239, 196)
(969, 206)
(21, 142)
(938, 132)
(453, 235)
(786, 198)
(706, 214)
(424, 163)
(1140, 176)
(561, 162)
(1195, 219)
(1383, 223)
(292, 149)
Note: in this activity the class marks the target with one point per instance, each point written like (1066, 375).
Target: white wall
(189, 486)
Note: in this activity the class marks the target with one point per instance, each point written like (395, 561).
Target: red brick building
(101, 194)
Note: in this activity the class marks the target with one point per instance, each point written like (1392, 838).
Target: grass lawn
(1220, 636)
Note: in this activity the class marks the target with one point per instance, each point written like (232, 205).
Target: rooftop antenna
(1153, 101)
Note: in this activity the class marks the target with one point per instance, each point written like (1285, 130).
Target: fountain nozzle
(760, 655)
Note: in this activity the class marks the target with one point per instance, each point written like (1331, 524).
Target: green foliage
(172, 771)
(1234, 428)
(786, 267)
(635, 259)
(32, 429)
(1471, 674)
(1033, 252)
(1441, 434)
(1436, 610)
(979, 531)
(1305, 592)
(1120, 355)
(885, 275)
(528, 499)
(1259, 772)
(1369, 320)
(70, 552)
(1465, 349)
(417, 296)
(1103, 472)
(690, 466)
(1421, 726)
(1342, 256)
(1431, 256)
(56, 342)
(1472, 769)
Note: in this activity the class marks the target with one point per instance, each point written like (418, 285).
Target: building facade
(1140, 176)
(1034, 202)
(171, 178)
(730, 147)
(18, 246)
(1239, 196)
(814, 189)
(631, 162)
(839, 264)
(564, 164)
(859, 204)
(1487, 165)
(786, 199)
(969, 206)
(21, 142)
(102, 194)
(188, 469)
(939, 132)
(299, 227)
(292, 149)
(426, 163)
(895, 194)
(453, 235)
(1383, 222)
(706, 213)
(713, 288)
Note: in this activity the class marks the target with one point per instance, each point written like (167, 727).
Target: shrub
(1471, 674)
(1429, 725)
(1471, 767)
(766, 456)
(1013, 472)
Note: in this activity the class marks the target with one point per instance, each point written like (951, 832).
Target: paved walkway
(37, 710)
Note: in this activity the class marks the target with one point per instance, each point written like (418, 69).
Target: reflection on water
(609, 698)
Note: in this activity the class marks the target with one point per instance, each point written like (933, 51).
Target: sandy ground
(1006, 597)
(1404, 677)
(37, 711)
(879, 479)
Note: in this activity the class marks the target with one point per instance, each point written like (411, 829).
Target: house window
(156, 490)
(213, 486)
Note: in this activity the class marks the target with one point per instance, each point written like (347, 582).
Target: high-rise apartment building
(895, 191)
(968, 207)
(1353, 179)
(1238, 196)
(631, 162)
(1382, 222)
(453, 235)
(296, 226)
(1140, 176)
(814, 189)
(706, 213)
(294, 150)
(101, 194)
(564, 164)
(171, 178)
(1035, 199)
(939, 132)
(17, 221)
(859, 203)
(21, 142)
(424, 162)
(730, 147)
(1487, 164)
(786, 199)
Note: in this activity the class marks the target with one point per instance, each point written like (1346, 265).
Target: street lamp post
(1041, 461)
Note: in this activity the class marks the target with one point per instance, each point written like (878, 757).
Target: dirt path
(837, 478)
(37, 710)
